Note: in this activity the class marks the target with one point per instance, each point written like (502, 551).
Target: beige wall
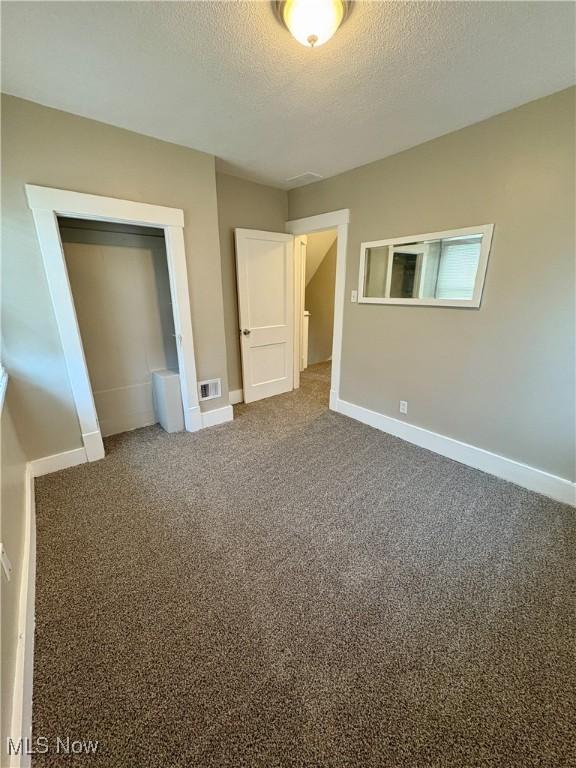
(242, 204)
(317, 245)
(52, 148)
(121, 291)
(319, 302)
(12, 523)
(502, 377)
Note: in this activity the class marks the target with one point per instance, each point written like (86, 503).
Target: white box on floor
(168, 400)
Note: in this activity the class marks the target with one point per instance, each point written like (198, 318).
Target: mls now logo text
(59, 746)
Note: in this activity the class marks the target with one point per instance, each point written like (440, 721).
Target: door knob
(246, 332)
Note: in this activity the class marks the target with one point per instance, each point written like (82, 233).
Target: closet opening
(120, 285)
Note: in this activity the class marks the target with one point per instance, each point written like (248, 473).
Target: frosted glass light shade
(313, 22)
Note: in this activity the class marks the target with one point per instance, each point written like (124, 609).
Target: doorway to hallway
(318, 299)
(272, 282)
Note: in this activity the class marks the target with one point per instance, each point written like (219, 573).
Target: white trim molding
(58, 461)
(80, 205)
(21, 714)
(236, 396)
(46, 205)
(317, 223)
(300, 244)
(514, 471)
(217, 416)
(340, 221)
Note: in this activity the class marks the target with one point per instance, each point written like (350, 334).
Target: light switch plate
(354, 297)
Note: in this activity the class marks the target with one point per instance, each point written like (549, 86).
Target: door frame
(47, 204)
(338, 220)
(300, 245)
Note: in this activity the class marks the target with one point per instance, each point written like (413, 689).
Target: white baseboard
(57, 461)
(217, 416)
(21, 716)
(236, 396)
(93, 446)
(193, 418)
(333, 400)
(127, 423)
(122, 409)
(514, 471)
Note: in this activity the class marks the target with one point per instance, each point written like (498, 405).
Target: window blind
(458, 267)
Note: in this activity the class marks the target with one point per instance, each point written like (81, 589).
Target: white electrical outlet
(354, 297)
(403, 406)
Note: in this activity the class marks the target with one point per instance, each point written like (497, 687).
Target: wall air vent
(303, 178)
(208, 390)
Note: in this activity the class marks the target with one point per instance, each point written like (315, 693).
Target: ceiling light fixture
(312, 22)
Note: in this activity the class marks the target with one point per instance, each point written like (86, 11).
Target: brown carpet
(297, 589)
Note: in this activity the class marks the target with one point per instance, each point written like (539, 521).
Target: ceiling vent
(304, 178)
(210, 389)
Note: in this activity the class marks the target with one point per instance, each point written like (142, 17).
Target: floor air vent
(209, 389)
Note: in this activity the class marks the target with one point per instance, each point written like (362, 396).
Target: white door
(265, 271)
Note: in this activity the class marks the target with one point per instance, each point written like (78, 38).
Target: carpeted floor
(297, 589)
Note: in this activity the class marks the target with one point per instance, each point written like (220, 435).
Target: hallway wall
(317, 245)
(319, 302)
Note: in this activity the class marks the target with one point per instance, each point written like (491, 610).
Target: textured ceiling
(226, 78)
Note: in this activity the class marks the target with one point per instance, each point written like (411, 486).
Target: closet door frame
(47, 204)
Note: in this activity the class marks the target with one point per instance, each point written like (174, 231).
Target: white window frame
(486, 230)
(46, 205)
